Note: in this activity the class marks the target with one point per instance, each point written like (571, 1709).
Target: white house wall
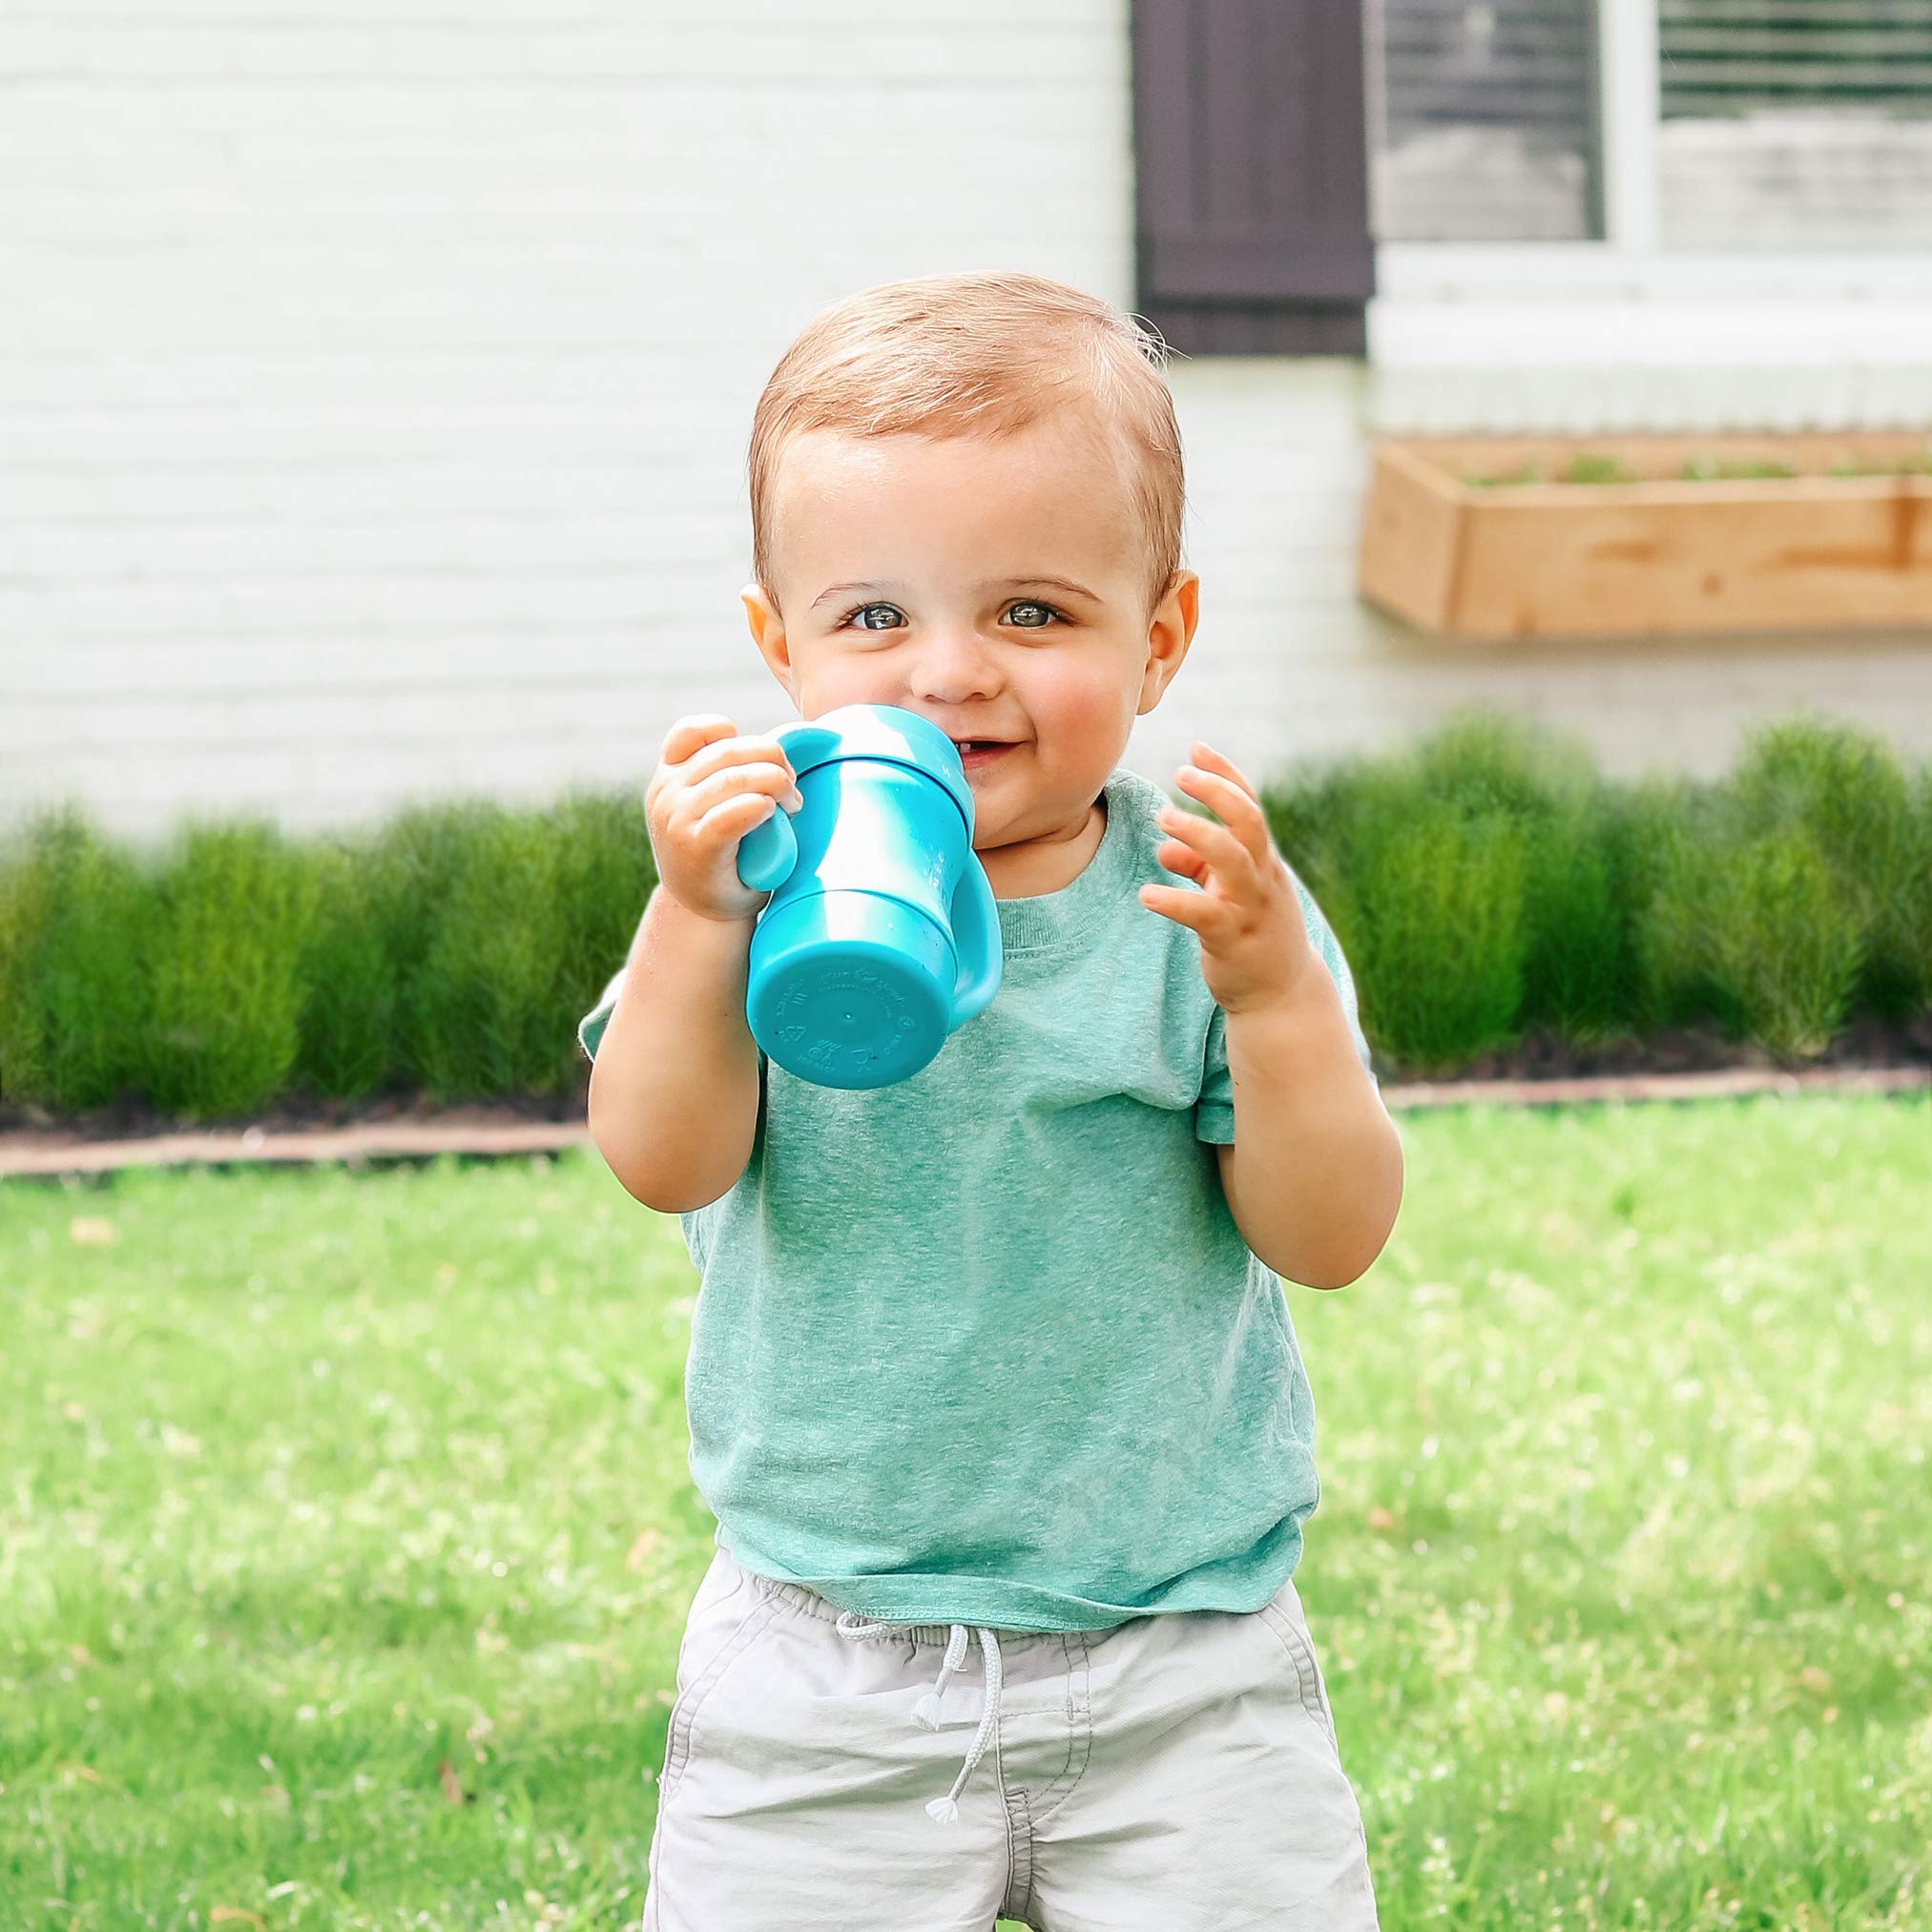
(375, 381)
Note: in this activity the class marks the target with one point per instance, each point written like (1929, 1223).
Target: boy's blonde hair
(978, 354)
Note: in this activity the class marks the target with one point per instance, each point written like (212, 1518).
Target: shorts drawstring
(927, 1711)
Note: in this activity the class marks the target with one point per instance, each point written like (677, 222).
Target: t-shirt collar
(1052, 919)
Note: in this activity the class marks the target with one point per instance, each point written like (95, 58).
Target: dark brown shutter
(1250, 175)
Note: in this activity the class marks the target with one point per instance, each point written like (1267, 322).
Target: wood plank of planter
(1659, 556)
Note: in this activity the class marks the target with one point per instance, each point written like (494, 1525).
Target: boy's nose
(953, 671)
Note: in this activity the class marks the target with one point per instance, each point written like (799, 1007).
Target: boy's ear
(768, 632)
(1170, 632)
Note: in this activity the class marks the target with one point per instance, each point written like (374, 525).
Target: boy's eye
(860, 611)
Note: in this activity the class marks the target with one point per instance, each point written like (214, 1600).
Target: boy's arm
(1313, 1174)
(675, 1082)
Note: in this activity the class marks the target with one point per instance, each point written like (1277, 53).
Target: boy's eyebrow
(991, 584)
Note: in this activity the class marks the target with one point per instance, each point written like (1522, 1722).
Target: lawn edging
(484, 1133)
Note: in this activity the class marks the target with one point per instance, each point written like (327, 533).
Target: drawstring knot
(925, 1711)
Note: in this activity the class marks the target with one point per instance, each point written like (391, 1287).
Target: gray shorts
(1177, 1773)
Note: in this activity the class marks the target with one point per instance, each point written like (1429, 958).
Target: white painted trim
(1628, 98)
(1607, 330)
(1600, 271)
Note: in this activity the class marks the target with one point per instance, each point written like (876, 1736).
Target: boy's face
(947, 542)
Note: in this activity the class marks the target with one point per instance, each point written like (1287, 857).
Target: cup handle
(767, 853)
(976, 940)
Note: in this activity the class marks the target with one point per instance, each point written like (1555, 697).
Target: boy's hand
(710, 788)
(1254, 948)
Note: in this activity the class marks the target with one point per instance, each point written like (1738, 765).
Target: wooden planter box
(1806, 552)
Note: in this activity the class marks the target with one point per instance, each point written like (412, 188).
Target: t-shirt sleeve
(1214, 1110)
(591, 1028)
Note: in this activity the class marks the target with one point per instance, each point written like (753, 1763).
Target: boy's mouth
(975, 753)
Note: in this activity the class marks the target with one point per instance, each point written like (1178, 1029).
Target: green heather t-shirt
(986, 1345)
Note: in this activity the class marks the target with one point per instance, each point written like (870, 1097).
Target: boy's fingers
(1241, 817)
(729, 754)
(731, 778)
(1215, 844)
(692, 734)
(1209, 759)
(1184, 908)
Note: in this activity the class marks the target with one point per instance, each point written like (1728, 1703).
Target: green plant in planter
(1728, 470)
(1915, 463)
(1523, 472)
(1592, 467)
(1587, 469)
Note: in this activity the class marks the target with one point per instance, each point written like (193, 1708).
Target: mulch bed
(1686, 1063)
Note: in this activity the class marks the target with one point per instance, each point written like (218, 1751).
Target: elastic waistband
(801, 1598)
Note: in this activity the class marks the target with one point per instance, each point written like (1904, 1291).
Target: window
(1486, 125)
(1788, 125)
(1675, 124)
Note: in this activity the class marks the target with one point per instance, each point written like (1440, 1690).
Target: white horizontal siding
(375, 383)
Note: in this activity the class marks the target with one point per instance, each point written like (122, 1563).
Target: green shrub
(1483, 881)
(413, 866)
(1918, 919)
(76, 965)
(483, 1002)
(1427, 901)
(233, 913)
(1577, 949)
(1304, 808)
(1444, 939)
(349, 1019)
(1786, 944)
(1665, 835)
(605, 874)
(1847, 787)
(1751, 927)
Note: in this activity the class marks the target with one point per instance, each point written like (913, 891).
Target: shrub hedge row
(1484, 882)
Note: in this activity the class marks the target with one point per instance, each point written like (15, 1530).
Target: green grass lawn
(346, 1533)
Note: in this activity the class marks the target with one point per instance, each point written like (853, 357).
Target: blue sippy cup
(882, 933)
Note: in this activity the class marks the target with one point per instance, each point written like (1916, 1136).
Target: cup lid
(880, 731)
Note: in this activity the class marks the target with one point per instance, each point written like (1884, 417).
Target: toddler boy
(999, 1354)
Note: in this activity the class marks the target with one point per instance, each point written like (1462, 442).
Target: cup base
(849, 988)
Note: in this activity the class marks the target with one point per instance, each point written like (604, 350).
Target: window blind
(1487, 121)
(1795, 123)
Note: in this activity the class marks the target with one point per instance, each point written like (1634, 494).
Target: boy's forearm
(1314, 1175)
(675, 1085)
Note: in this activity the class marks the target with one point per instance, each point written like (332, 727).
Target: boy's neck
(1032, 868)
